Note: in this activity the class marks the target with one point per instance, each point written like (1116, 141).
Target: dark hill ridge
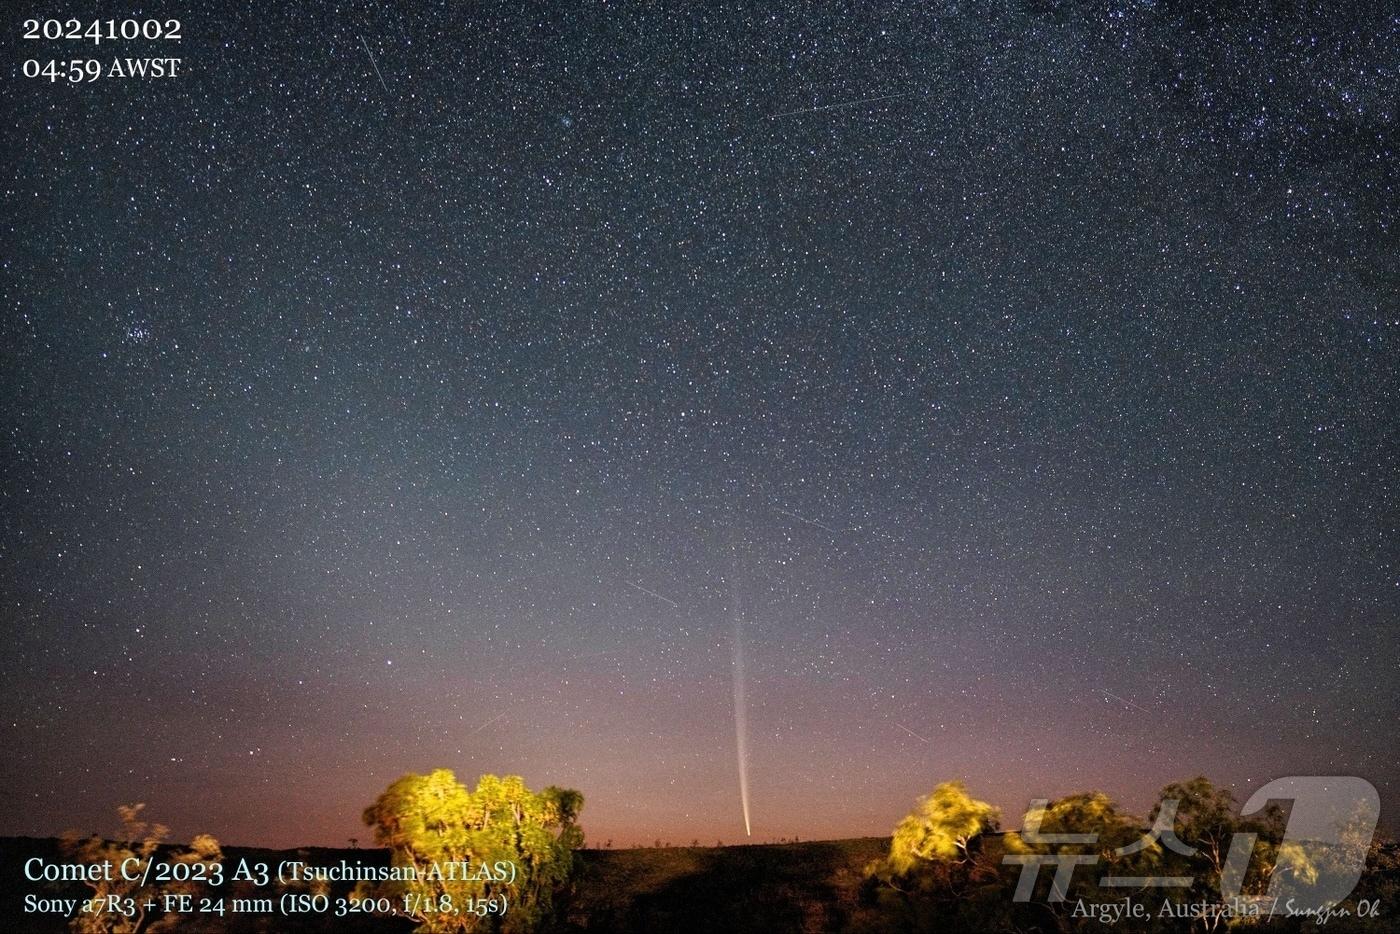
(767, 888)
(770, 888)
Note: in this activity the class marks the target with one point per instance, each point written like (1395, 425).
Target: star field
(412, 386)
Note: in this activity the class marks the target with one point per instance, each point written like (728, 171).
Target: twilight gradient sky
(414, 385)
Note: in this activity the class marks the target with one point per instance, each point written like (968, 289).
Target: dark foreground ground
(776, 889)
(772, 889)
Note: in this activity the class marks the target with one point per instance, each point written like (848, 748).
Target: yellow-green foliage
(1293, 858)
(433, 820)
(940, 827)
(141, 840)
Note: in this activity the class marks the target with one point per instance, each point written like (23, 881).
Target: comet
(741, 709)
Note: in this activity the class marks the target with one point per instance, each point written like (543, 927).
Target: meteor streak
(1123, 699)
(911, 732)
(487, 723)
(376, 66)
(652, 593)
(840, 104)
(806, 520)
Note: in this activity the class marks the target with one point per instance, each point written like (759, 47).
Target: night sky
(435, 385)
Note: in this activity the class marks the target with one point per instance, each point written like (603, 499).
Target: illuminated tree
(940, 828)
(517, 847)
(142, 841)
(937, 876)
